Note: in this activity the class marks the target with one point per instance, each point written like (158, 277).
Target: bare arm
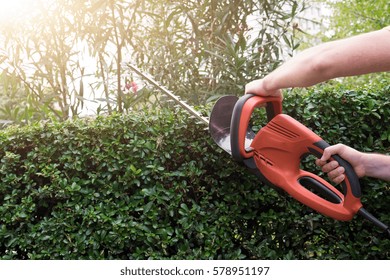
(362, 54)
(377, 166)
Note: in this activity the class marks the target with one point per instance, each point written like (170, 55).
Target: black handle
(235, 126)
(273, 107)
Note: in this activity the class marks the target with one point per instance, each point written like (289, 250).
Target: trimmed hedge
(153, 185)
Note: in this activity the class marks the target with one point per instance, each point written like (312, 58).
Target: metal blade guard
(275, 152)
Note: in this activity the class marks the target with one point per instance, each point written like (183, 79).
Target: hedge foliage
(153, 185)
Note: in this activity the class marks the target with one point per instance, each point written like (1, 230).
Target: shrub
(153, 185)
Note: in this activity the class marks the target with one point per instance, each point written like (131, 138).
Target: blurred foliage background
(63, 59)
(68, 55)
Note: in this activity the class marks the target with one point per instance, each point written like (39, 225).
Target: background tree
(69, 52)
(204, 48)
(357, 16)
(42, 53)
(349, 18)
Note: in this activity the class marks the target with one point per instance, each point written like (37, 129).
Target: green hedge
(155, 186)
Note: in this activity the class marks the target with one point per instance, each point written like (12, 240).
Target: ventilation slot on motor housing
(266, 160)
(282, 130)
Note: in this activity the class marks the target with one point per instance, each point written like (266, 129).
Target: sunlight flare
(14, 10)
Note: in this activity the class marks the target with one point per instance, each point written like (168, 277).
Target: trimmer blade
(220, 119)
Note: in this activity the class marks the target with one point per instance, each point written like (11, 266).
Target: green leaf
(148, 206)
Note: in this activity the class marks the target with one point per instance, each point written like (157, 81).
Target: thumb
(332, 150)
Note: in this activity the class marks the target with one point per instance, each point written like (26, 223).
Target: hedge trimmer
(274, 153)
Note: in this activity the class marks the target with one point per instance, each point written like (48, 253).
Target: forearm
(358, 55)
(376, 166)
(303, 70)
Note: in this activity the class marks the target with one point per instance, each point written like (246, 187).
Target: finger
(278, 93)
(330, 166)
(253, 87)
(332, 150)
(281, 95)
(257, 87)
(338, 179)
(320, 163)
(336, 173)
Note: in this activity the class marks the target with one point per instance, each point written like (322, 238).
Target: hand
(258, 87)
(332, 168)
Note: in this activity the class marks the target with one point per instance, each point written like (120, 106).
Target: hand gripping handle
(350, 200)
(242, 113)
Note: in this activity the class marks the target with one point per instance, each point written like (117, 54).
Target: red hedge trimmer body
(274, 154)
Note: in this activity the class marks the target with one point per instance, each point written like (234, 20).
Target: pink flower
(134, 87)
(131, 86)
